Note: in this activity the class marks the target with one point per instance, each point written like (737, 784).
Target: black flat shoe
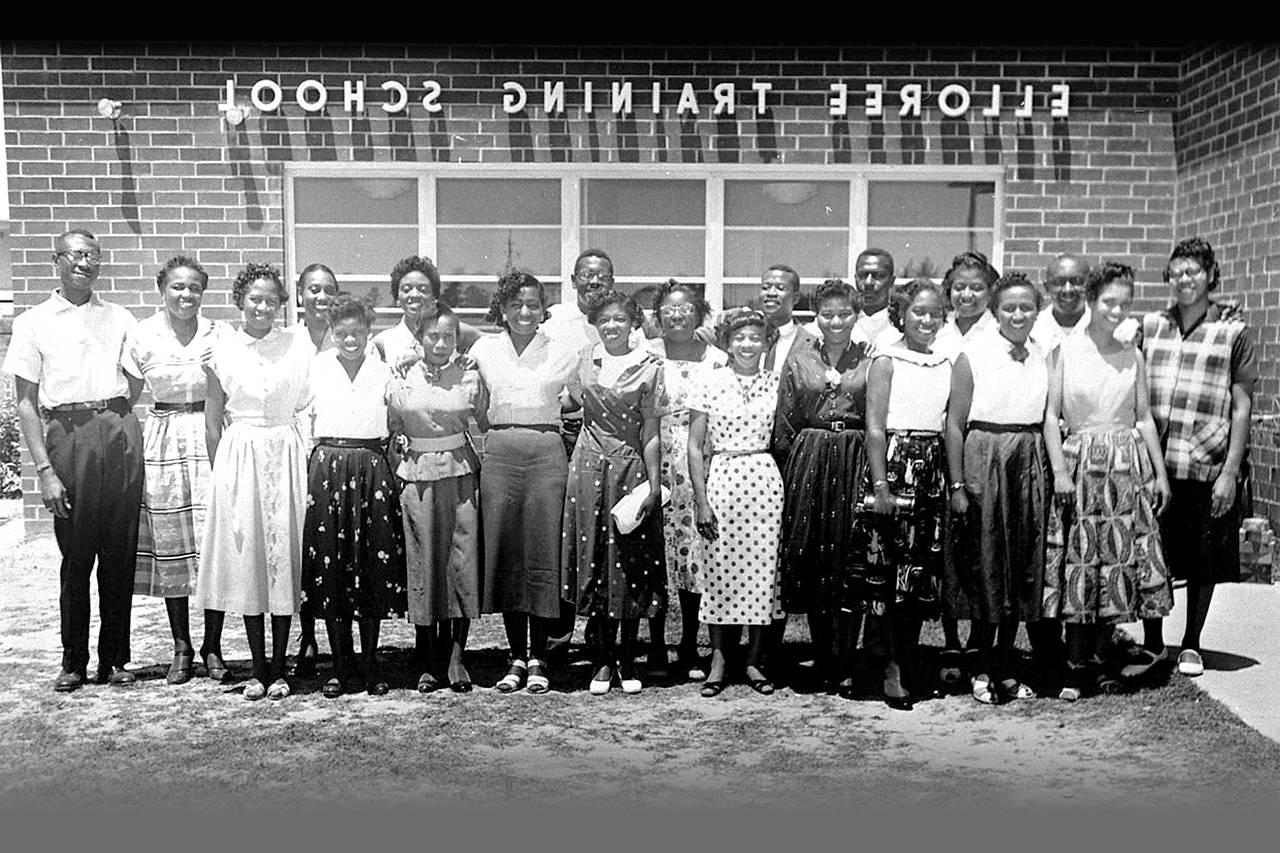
(899, 703)
(846, 689)
(215, 667)
(68, 681)
(116, 676)
(180, 670)
(460, 686)
(332, 688)
(763, 686)
(304, 665)
(711, 689)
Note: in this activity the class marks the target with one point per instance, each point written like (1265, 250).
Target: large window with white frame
(718, 227)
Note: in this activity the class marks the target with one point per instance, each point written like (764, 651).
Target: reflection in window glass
(351, 201)
(919, 252)
(651, 251)
(921, 204)
(783, 203)
(489, 201)
(814, 254)
(492, 251)
(355, 251)
(644, 202)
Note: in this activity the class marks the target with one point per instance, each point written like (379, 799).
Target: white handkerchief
(626, 512)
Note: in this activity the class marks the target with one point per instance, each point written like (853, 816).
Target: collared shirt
(524, 388)
(877, 324)
(568, 325)
(1006, 391)
(75, 352)
(788, 337)
(265, 379)
(398, 343)
(812, 392)
(174, 372)
(346, 407)
(951, 341)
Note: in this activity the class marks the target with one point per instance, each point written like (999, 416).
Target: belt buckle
(100, 406)
(837, 426)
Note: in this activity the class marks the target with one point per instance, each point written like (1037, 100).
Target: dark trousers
(98, 457)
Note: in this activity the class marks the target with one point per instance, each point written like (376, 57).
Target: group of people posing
(919, 451)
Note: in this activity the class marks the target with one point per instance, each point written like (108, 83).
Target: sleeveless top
(920, 389)
(1006, 391)
(1099, 391)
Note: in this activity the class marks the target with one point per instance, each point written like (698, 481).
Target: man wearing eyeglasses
(76, 387)
(1068, 312)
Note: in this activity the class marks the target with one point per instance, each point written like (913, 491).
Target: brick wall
(1227, 133)
(171, 174)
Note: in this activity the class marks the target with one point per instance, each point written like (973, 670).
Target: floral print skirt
(353, 563)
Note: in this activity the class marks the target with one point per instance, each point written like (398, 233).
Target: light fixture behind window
(789, 192)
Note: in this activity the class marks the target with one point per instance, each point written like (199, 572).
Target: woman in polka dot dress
(615, 579)
(738, 496)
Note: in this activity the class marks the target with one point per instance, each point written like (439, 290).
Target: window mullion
(290, 250)
(428, 243)
(714, 246)
(570, 230)
(858, 215)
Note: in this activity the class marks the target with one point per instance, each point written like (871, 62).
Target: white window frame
(571, 175)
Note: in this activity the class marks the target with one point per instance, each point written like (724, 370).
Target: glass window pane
(814, 254)
(619, 202)
(489, 251)
(923, 204)
(781, 203)
(928, 252)
(376, 201)
(490, 201)
(355, 251)
(650, 251)
(467, 294)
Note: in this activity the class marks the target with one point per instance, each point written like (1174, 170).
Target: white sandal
(515, 676)
(983, 690)
(600, 687)
(537, 683)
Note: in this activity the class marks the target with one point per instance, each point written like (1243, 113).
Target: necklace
(748, 387)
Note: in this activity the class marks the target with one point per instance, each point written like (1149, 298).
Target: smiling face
(261, 302)
(922, 320)
(523, 312)
(1016, 312)
(1064, 282)
(836, 317)
(351, 336)
(1112, 306)
(591, 273)
(874, 278)
(746, 345)
(970, 293)
(78, 261)
(182, 293)
(678, 317)
(1190, 282)
(439, 341)
(778, 296)
(413, 294)
(614, 326)
(318, 290)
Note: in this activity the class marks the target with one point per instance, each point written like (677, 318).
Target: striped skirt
(174, 500)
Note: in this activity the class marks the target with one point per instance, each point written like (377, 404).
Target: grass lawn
(202, 742)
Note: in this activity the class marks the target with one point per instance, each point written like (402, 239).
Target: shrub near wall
(10, 437)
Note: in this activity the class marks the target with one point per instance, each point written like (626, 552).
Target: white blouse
(524, 388)
(919, 391)
(1006, 391)
(345, 407)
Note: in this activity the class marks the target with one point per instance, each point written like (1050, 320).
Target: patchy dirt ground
(202, 742)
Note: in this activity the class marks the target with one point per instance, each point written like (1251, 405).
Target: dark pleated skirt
(352, 543)
(522, 485)
(820, 532)
(1000, 566)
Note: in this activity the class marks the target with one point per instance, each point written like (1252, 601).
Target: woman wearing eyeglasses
(681, 311)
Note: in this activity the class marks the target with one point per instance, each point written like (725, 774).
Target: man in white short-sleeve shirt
(76, 386)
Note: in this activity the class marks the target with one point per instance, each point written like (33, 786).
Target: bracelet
(44, 466)
(955, 487)
(875, 484)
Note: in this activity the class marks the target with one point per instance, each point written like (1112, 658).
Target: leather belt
(988, 426)
(838, 426)
(98, 406)
(534, 427)
(197, 406)
(364, 443)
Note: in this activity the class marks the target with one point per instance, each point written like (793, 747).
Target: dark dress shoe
(116, 676)
(899, 703)
(215, 667)
(180, 670)
(378, 687)
(68, 681)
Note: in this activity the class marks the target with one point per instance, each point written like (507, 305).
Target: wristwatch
(955, 487)
(44, 466)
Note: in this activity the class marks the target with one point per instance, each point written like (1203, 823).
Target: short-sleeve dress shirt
(174, 373)
(75, 352)
(524, 388)
(347, 408)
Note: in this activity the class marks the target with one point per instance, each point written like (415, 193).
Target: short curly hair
(902, 297)
(509, 287)
(419, 263)
(255, 272)
(178, 262)
(701, 310)
(1110, 272)
(1199, 250)
(309, 269)
(348, 306)
(429, 316)
(1009, 281)
(599, 300)
(836, 288)
(969, 261)
(739, 318)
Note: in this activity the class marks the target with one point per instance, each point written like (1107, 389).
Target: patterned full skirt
(1105, 562)
(174, 501)
(684, 545)
(352, 549)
